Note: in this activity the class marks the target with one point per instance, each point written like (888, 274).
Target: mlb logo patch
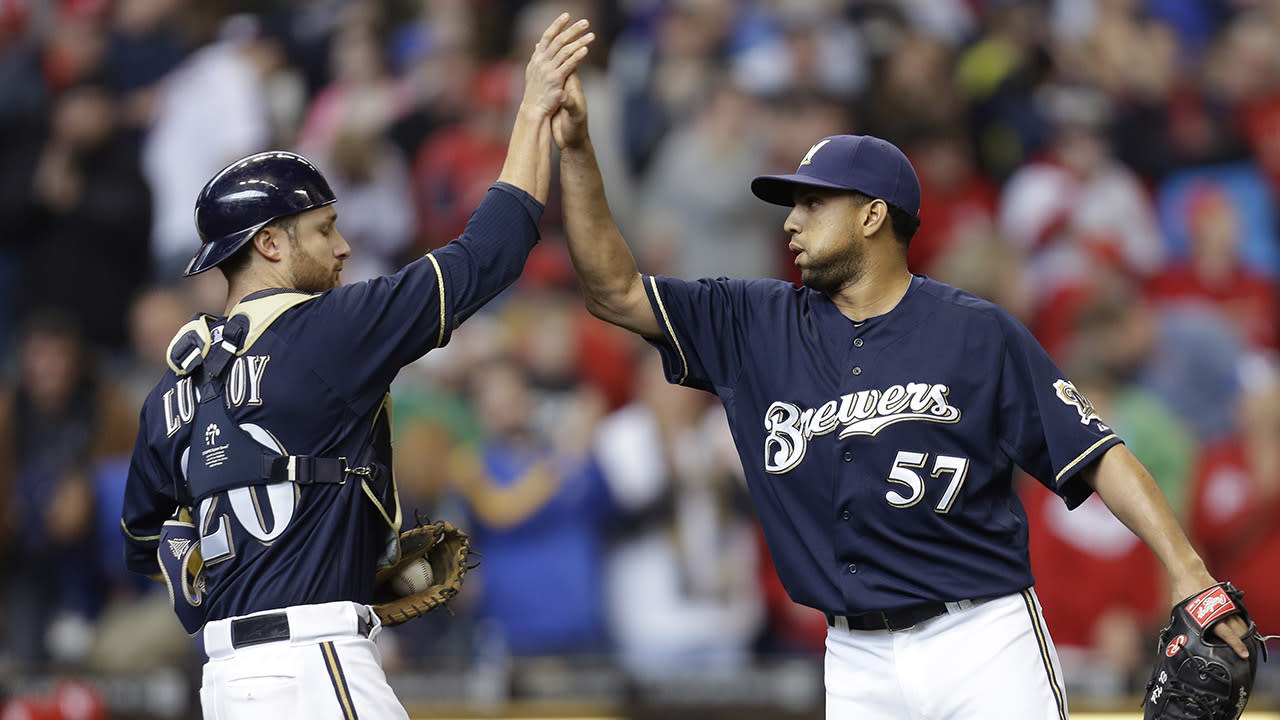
(1209, 606)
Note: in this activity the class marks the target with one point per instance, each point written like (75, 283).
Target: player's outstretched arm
(1134, 498)
(528, 164)
(611, 284)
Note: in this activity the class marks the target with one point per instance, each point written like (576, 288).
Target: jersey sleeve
(372, 329)
(1048, 427)
(149, 500)
(702, 339)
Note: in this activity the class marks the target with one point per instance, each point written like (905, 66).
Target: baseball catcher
(272, 424)
(1198, 676)
(446, 549)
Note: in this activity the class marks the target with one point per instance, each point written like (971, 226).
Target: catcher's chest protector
(223, 457)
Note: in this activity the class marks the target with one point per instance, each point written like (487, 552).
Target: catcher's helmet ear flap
(249, 193)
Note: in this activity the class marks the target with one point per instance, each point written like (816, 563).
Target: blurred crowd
(1107, 170)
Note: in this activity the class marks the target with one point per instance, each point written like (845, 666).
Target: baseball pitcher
(879, 416)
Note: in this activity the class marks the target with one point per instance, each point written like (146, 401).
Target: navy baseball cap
(867, 164)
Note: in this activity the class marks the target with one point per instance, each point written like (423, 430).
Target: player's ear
(270, 242)
(875, 215)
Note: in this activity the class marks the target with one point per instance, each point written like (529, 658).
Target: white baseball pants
(321, 663)
(991, 661)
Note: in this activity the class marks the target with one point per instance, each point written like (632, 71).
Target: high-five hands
(555, 57)
(569, 124)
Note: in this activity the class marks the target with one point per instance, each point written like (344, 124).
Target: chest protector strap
(223, 456)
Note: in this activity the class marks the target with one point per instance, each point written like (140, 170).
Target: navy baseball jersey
(881, 455)
(312, 378)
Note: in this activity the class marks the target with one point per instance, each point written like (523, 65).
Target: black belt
(271, 627)
(892, 619)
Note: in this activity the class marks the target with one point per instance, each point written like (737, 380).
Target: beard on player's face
(310, 273)
(840, 265)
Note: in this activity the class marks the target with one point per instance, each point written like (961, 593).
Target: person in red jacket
(1214, 275)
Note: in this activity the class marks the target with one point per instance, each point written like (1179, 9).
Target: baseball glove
(1197, 676)
(447, 549)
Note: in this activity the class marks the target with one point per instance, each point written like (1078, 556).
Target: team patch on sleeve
(1069, 395)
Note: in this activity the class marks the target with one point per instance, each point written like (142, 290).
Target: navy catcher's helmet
(249, 193)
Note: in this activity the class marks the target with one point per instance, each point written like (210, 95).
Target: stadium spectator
(1243, 69)
(682, 590)
(913, 89)
(1237, 495)
(1214, 275)
(88, 249)
(537, 508)
(57, 419)
(1167, 117)
(957, 201)
(154, 316)
(212, 109)
(692, 229)
(145, 43)
(453, 167)
(1077, 207)
(665, 63)
(799, 47)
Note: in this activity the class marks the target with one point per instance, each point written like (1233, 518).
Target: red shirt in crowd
(1247, 298)
(1234, 524)
(1087, 564)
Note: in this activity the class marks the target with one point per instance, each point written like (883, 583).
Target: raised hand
(569, 124)
(555, 57)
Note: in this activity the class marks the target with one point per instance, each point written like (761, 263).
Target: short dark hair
(904, 223)
(239, 260)
(288, 223)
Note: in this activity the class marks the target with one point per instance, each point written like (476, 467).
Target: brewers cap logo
(808, 157)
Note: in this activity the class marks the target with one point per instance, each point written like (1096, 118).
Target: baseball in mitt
(407, 589)
(1197, 676)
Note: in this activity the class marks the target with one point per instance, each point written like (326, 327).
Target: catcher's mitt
(448, 551)
(1198, 676)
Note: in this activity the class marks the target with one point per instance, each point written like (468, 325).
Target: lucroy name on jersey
(865, 412)
(243, 387)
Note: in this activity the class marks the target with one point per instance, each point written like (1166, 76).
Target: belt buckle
(259, 629)
(884, 617)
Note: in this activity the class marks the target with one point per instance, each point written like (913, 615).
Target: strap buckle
(361, 471)
(311, 470)
(304, 469)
